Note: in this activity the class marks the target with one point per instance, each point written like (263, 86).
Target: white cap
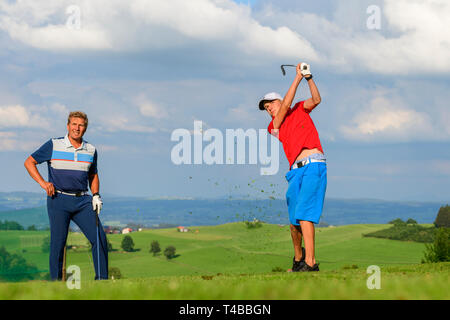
(269, 97)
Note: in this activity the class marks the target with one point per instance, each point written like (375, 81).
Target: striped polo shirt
(68, 168)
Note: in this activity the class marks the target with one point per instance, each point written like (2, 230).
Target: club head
(286, 65)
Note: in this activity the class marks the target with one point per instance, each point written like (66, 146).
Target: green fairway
(400, 282)
(239, 263)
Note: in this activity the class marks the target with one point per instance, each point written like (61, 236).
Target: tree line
(13, 225)
(155, 248)
(436, 238)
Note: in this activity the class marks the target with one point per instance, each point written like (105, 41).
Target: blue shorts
(306, 192)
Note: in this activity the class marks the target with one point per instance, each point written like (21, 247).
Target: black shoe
(307, 268)
(297, 265)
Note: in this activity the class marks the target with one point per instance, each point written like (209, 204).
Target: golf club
(98, 243)
(286, 65)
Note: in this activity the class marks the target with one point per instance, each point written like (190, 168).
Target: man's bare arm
(30, 165)
(94, 183)
(313, 102)
(287, 101)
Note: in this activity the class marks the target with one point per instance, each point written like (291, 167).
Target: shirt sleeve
(44, 153)
(93, 168)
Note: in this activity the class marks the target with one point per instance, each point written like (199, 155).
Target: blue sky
(142, 69)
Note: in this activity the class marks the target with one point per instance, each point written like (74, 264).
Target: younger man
(307, 177)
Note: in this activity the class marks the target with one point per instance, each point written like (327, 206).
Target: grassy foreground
(400, 282)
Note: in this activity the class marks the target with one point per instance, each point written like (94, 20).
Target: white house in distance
(182, 229)
(127, 230)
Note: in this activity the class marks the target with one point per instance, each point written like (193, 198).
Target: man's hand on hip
(48, 187)
(97, 203)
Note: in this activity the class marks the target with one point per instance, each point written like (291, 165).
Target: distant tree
(253, 224)
(439, 251)
(397, 222)
(155, 248)
(127, 244)
(14, 267)
(411, 221)
(32, 228)
(443, 217)
(45, 247)
(169, 252)
(10, 225)
(114, 273)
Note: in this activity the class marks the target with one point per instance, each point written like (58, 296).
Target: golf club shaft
(98, 243)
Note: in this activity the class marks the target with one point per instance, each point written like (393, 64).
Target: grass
(399, 282)
(231, 261)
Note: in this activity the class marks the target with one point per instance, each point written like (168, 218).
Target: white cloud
(9, 141)
(150, 109)
(143, 24)
(56, 37)
(413, 38)
(19, 116)
(422, 43)
(390, 121)
(121, 123)
(59, 108)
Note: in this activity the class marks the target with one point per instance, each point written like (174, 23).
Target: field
(233, 262)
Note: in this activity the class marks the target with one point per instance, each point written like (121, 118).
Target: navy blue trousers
(61, 210)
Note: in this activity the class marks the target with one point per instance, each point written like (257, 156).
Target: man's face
(272, 107)
(76, 128)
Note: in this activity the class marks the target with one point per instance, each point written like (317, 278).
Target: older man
(72, 168)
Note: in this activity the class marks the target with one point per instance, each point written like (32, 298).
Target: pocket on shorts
(290, 174)
(311, 178)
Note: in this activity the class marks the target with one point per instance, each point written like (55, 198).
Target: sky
(142, 69)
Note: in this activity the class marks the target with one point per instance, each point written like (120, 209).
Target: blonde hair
(78, 114)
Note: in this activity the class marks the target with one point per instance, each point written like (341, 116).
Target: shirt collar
(69, 145)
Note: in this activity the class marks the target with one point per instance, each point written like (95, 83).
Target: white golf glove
(305, 69)
(97, 203)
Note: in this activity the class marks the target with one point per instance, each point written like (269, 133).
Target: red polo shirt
(297, 132)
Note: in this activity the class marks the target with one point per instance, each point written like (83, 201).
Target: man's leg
(309, 238)
(59, 219)
(294, 178)
(296, 235)
(86, 220)
(310, 206)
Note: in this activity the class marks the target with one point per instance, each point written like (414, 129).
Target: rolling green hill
(232, 255)
(26, 217)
